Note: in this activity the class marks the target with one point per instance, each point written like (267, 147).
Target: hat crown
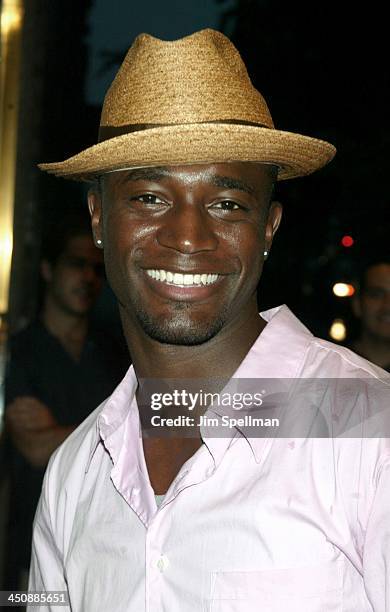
(189, 101)
(196, 79)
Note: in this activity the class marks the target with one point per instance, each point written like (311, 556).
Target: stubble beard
(180, 329)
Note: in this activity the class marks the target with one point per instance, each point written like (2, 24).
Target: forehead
(378, 275)
(248, 176)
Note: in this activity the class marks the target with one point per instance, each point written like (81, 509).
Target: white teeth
(182, 280)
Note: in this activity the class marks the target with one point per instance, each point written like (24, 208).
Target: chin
(180, 330)
(180, 338)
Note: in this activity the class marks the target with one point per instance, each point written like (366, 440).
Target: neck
(65, 326)
(218, 357)
(373, 348)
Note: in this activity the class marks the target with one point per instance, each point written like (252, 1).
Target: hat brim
(294, 154)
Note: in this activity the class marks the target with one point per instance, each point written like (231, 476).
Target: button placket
(156, 563)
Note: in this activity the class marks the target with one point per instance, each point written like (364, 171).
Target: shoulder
(63, 484)
(64, 480)
(69, 463)
(26, 334)
(29, 338)
(79, 442)
(335, 361)
(354, 394)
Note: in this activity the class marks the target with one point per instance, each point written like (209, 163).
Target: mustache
(190, 264)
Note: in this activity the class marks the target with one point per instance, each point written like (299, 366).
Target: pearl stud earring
(265, 253)
(99, 242)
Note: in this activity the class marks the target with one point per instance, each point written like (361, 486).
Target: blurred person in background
(60, 368)
(372, 307)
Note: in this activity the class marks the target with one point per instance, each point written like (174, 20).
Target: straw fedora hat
(189, 101)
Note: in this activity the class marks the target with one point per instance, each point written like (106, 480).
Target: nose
(188, 229)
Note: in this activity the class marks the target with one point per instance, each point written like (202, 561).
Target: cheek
(370, 307)
(125, 242)
(64, 281)
(248, 244)
(124, 231)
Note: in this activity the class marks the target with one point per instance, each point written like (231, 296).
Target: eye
(375, 293)
(229, 210)
(148, 199)
(227, 205)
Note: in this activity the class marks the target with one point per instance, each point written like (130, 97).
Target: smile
(182, 280)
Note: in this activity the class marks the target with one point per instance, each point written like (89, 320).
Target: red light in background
(347, 241)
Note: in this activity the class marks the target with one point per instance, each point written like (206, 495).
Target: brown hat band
(106, 132)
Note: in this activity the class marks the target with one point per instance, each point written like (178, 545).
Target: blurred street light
(338, 330)
(343, 289)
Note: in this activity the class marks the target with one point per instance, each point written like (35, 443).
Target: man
(372, 306)
(59, 370)
(186, 519)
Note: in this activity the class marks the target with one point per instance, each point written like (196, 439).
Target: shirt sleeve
(46, 569)
(376, 556)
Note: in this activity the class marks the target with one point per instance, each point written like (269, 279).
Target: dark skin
(197, 219)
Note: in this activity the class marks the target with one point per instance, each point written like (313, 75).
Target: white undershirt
(159, 499)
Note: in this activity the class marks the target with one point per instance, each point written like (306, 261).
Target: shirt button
(162, 563)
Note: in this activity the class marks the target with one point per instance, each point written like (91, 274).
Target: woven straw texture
(189, 101)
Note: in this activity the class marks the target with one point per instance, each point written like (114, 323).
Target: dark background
(323, 69)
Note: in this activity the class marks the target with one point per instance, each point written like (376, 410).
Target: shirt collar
(113, 415)
(278, 352)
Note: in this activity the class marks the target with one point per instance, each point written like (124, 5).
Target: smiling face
(184, 245)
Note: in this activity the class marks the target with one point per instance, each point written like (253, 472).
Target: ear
(96, 212)
(46, 271)
(273, 222)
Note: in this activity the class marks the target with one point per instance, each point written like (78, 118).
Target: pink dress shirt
(247, 525)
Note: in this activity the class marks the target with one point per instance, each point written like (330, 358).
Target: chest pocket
(312, 589)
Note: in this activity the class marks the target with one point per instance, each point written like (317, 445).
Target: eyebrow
(162, 172)
(227, 182)
(147, 174)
